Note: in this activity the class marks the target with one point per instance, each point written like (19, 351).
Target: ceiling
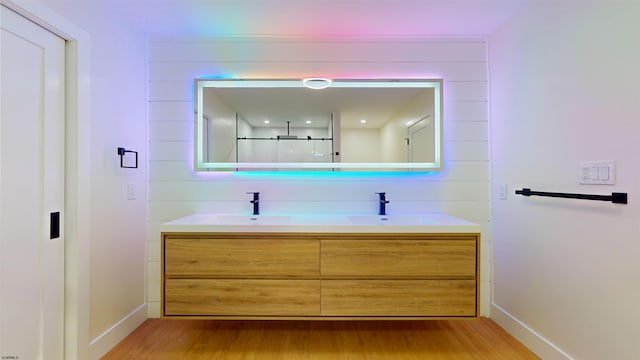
(309, 18)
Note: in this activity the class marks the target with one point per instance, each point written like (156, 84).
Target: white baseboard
(537, 343)
(112, 336)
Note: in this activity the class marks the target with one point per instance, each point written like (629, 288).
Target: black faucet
(255, 202)
(383, 203)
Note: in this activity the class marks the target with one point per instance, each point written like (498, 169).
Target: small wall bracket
(122, 152)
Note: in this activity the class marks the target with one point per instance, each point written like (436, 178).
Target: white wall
(117, 225)
(360, 145)
(175, 190)
(396, 128)
(222, 127)
(564, 88)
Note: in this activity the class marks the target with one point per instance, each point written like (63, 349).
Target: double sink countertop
(321, 223)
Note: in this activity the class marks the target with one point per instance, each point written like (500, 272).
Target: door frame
(77, 172)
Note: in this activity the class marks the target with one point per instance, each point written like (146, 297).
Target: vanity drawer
(433, 298)
(242, 257)
(432, 258)
(238, 297)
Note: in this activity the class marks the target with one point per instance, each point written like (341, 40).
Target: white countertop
(321, 223)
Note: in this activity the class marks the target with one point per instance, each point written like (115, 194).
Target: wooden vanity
(320, 275)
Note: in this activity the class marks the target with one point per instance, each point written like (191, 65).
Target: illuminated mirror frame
(201, 165)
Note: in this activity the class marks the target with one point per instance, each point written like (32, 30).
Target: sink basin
(240, 219)
(385, 220)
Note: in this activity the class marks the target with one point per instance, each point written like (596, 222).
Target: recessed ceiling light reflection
(316, 83)
(266, 121)
(363, 121)
(308, 121)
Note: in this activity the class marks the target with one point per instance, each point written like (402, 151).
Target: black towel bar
(616, 198)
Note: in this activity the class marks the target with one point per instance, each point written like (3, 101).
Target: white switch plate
(131, 191)
(502, 192)
(597, 172)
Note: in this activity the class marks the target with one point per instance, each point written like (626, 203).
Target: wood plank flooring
(300, 340)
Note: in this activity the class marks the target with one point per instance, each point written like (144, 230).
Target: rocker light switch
(597, 172)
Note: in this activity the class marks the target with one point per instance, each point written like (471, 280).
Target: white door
(32, 187)
(420, 141)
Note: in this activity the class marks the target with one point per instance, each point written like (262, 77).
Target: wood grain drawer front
(211, 297)
(242, 257)
(399, 258)
(399, 298)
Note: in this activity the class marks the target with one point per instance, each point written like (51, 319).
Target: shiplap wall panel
(465, 90)
(170, 150)
(465, 110)
(455, 71)
(171, 91)
(272, 50)
(175, 190)
(466, 150)
(170, 131)
(170, 110)
(171, 170)
(467, 130)
(299, 190)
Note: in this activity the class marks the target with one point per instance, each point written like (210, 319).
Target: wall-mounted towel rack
(123, 152)
(616, 198)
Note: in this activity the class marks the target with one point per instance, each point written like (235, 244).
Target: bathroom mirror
(348, 125)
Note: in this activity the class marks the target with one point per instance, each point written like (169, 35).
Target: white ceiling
(311, 18)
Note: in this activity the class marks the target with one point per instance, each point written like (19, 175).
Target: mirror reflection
(352, 124)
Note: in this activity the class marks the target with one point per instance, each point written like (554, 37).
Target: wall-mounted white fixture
(597, 172)
(317, 83)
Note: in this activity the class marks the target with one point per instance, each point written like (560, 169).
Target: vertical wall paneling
(462, 189)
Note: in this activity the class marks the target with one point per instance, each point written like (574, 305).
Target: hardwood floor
(298, 340)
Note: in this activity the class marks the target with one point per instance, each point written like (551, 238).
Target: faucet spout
(255, 202)
(382, 209)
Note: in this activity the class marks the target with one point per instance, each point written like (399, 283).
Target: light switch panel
(603, 172)
(597, 172)
(131, 191)
(502, 192)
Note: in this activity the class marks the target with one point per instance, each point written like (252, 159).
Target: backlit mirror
(352, 125)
